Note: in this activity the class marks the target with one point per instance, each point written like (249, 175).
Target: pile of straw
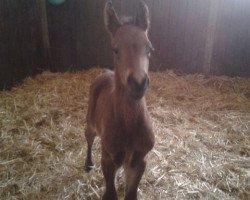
(202, 128)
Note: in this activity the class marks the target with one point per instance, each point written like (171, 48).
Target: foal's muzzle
(137, 89)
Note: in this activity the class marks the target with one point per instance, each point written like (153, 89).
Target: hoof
(110, 196)
(88, 167)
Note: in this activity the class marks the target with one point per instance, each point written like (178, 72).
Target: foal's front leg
(133, 172)
(109, 170)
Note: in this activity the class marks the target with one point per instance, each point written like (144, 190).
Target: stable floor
(201, 124)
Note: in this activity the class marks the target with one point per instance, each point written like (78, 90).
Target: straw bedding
(201, 124)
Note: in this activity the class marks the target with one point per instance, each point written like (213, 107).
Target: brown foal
(117, 110)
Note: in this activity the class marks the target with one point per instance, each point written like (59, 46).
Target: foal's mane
(127, 20)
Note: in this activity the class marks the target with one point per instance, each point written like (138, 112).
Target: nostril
(137, 86)
(132, 83)
(130, 80)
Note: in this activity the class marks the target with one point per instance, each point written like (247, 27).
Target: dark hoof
(110, 196)
(88, 167)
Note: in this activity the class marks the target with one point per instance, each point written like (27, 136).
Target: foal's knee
(138, 160)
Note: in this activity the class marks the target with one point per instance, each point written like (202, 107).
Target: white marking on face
(141, 71)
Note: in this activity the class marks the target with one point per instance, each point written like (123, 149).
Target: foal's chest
(140, 140)
(134, 138)
(128, 132)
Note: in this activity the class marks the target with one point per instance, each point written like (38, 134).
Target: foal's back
(100, 101)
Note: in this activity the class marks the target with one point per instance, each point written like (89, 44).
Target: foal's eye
(149, 49)
(115, 51)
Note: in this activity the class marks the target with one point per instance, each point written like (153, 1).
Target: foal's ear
(111, 20)
(142, 16)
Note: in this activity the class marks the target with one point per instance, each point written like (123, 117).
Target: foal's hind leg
(90, 137)
(133, 172)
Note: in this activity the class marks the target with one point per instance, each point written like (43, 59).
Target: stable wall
(210, 36)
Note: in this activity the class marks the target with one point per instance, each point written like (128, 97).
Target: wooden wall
(209, 36)
(231, 51)
(179, 32)
(23, 49)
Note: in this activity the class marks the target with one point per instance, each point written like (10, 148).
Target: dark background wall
(231, 51)
(210, 36)
(22, 50)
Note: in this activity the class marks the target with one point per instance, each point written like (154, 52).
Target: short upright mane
(127, 20)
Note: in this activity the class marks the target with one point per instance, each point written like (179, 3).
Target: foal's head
(131, 49)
